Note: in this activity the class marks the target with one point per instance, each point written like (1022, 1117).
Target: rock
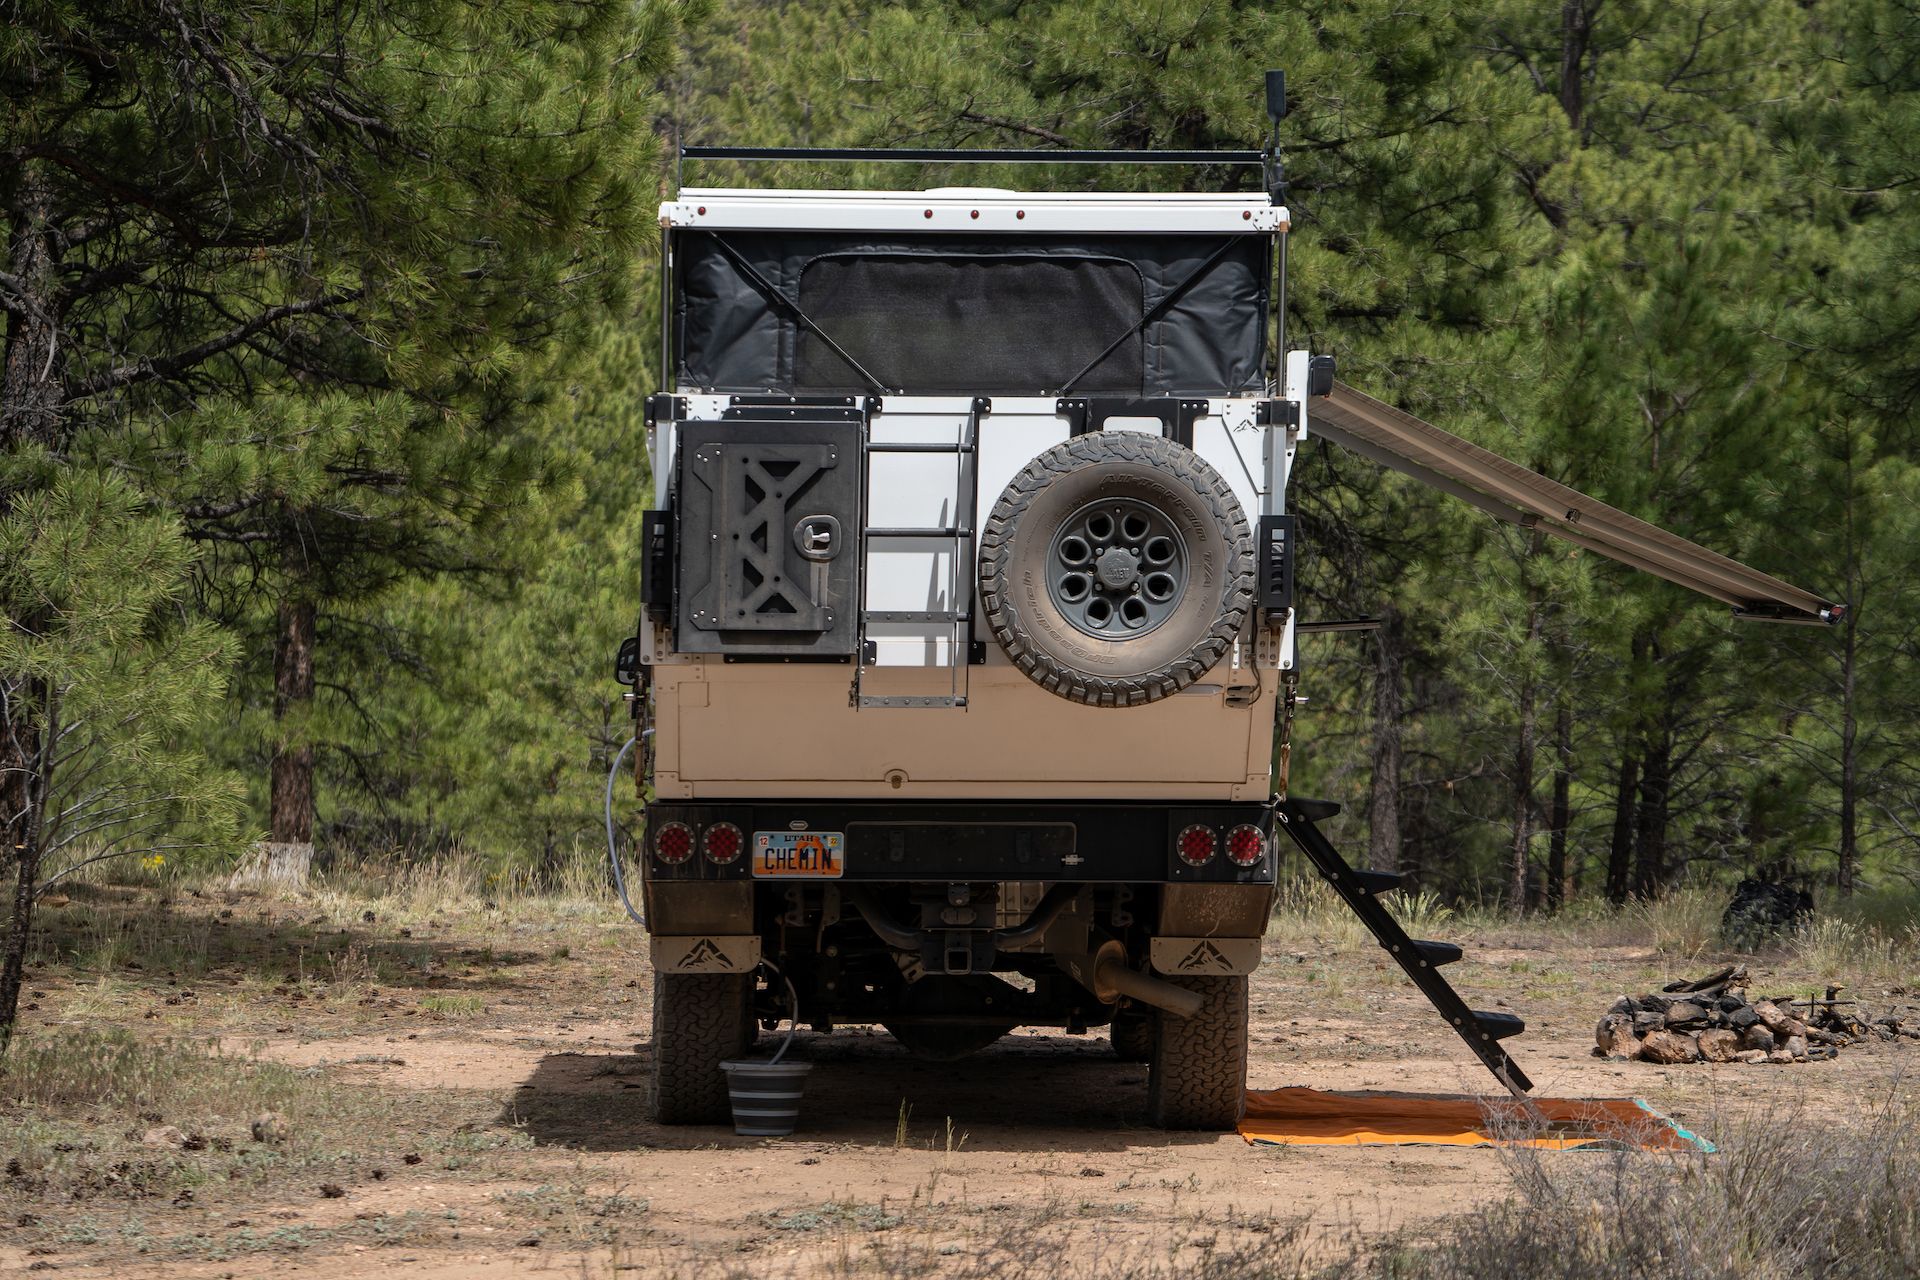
(1614, 1036)
(1758, 1037)
(1780, 1056)
(163, 1135)
(1622, 1005)
(1769, 1012)
(1669, 1047)
(1655, 1004)
(1646, 1021)
(1794, 1027)
(270, 1127)
(1719, 1046)
(1796, 1046)
(1751, 1055)
(1727, 1004)
(1684, 1014)
(1742, 1018)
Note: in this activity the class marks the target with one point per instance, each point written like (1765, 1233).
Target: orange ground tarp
(1308, 1117)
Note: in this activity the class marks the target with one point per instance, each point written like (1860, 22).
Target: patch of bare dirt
(1042, 1132)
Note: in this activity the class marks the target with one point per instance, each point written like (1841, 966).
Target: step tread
(1437, 953)
(1314, 810)
(1499, 1025)
(1379, 882)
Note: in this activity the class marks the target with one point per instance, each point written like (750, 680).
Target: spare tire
(1116, 568)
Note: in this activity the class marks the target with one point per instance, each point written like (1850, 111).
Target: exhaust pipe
(1106, 974)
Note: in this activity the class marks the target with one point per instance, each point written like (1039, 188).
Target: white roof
(971, 209)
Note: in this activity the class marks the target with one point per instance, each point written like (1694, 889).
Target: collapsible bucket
(766, 1096)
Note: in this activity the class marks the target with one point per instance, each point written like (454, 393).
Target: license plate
(798, 855)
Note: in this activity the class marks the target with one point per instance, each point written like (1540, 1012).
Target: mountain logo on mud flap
(704, 954)
(1205, 956)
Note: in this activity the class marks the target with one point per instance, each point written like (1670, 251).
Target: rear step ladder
(1483, 1030)
(959, 618)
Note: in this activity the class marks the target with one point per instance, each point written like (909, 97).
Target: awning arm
(1511, 492)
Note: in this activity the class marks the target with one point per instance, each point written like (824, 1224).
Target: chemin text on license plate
(811, 855)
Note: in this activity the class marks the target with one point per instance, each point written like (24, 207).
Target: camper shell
(966, 666)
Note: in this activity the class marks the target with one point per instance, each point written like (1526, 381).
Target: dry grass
(99, 1116)
(1788, 1195)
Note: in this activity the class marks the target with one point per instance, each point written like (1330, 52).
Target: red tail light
(674, 843)
(1197, 845)
(723, 843)
(1245, 845)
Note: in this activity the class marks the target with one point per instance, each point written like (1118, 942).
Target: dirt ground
(478, 1087)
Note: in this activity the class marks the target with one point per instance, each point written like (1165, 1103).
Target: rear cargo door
(1397, 439)
(769, 515)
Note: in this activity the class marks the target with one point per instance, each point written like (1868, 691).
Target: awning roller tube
(1509, 491)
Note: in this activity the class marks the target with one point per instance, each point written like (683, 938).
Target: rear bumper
(1104, 842)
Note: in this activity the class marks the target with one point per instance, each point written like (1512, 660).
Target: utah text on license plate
(813, 855)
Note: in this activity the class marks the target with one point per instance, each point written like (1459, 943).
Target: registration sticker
(798, 855)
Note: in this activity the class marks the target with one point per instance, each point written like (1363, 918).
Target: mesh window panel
(963, 322)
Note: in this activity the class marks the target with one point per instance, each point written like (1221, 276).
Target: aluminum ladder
(961, 535)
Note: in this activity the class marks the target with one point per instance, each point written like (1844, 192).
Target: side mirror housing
(626, 664)
(1320, 376)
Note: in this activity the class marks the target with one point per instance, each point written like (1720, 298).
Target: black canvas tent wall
(937, 314)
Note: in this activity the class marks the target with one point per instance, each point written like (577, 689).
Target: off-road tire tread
(1171, 459)
(697, 1021)
(1198, 1077)
(1132, 1036)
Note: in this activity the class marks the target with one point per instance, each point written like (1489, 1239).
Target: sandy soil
(1042, 1133)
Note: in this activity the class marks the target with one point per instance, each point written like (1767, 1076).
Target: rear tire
(1132, 1034)
(1198, 1078)
(699, 1021)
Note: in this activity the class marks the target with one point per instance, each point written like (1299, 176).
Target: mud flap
(1204, 957)
(705, 953)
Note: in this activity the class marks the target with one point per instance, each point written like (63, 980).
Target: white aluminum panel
(972, 209)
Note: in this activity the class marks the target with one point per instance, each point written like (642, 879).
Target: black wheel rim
(1117, 568)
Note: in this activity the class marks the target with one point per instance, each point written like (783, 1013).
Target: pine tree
(300, 268)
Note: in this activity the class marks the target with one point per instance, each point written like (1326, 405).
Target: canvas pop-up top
(968, 630)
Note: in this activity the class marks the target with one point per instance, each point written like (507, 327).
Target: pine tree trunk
(1576, 32)
(1650, 818)
(1620, 849)
(1558, 883)
(1523, 761)
(1383, 795)
(25, 821)
(32, 412)
(289, 852)
(1849, 761)
(1523, 753)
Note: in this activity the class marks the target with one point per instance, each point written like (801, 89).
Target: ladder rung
(1437, 953)
(920, 533)
(908, 615)
(908, 700)
(881, 446)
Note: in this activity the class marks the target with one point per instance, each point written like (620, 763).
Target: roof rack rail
(944, 155)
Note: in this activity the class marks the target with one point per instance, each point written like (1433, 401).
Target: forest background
(327, 331)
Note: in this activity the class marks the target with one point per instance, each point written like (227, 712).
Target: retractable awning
(1506, 489)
